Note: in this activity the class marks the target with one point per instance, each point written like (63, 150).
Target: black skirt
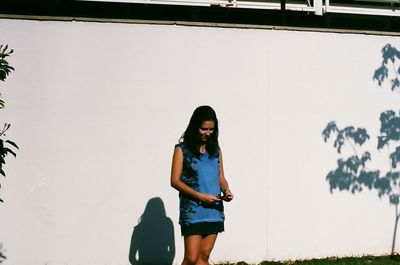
(202, 229)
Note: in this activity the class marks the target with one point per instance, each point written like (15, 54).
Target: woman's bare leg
(206, 246)
(192, 249)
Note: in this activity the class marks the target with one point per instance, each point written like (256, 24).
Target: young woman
(198, 174)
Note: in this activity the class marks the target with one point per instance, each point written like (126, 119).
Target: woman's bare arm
(228, 195)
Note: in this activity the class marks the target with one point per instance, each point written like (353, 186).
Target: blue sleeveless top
(202, 175)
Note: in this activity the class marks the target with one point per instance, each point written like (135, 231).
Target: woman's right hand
(208, 198)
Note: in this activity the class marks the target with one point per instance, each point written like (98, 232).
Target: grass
(365, 260)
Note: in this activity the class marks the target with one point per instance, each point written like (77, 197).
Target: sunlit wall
(96, 109)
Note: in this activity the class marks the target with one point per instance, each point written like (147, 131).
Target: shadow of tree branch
(352, 173)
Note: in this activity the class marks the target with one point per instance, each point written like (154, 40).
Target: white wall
(96, 109)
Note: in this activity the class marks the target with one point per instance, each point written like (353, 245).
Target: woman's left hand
(228, 195)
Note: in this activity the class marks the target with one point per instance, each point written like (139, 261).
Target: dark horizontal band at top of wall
(237, 16)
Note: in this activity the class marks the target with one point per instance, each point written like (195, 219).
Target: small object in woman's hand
(223, 197)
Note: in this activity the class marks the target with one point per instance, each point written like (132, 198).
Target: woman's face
(206, 130)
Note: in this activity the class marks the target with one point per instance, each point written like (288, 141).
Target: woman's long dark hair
(191, 137)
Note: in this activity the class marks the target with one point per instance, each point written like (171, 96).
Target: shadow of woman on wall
(153, 241)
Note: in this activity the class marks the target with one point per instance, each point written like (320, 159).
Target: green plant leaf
(12, 143)
(11, 151)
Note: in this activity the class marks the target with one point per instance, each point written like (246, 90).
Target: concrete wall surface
(96, 109)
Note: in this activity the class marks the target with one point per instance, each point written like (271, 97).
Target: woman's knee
(205, 253)
(190, 258)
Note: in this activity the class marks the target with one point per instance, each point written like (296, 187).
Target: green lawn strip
(364, 260)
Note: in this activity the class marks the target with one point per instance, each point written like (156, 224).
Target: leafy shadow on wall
(152, 241)
(352, 173)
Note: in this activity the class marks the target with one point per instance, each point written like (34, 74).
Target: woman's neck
(202, 149)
